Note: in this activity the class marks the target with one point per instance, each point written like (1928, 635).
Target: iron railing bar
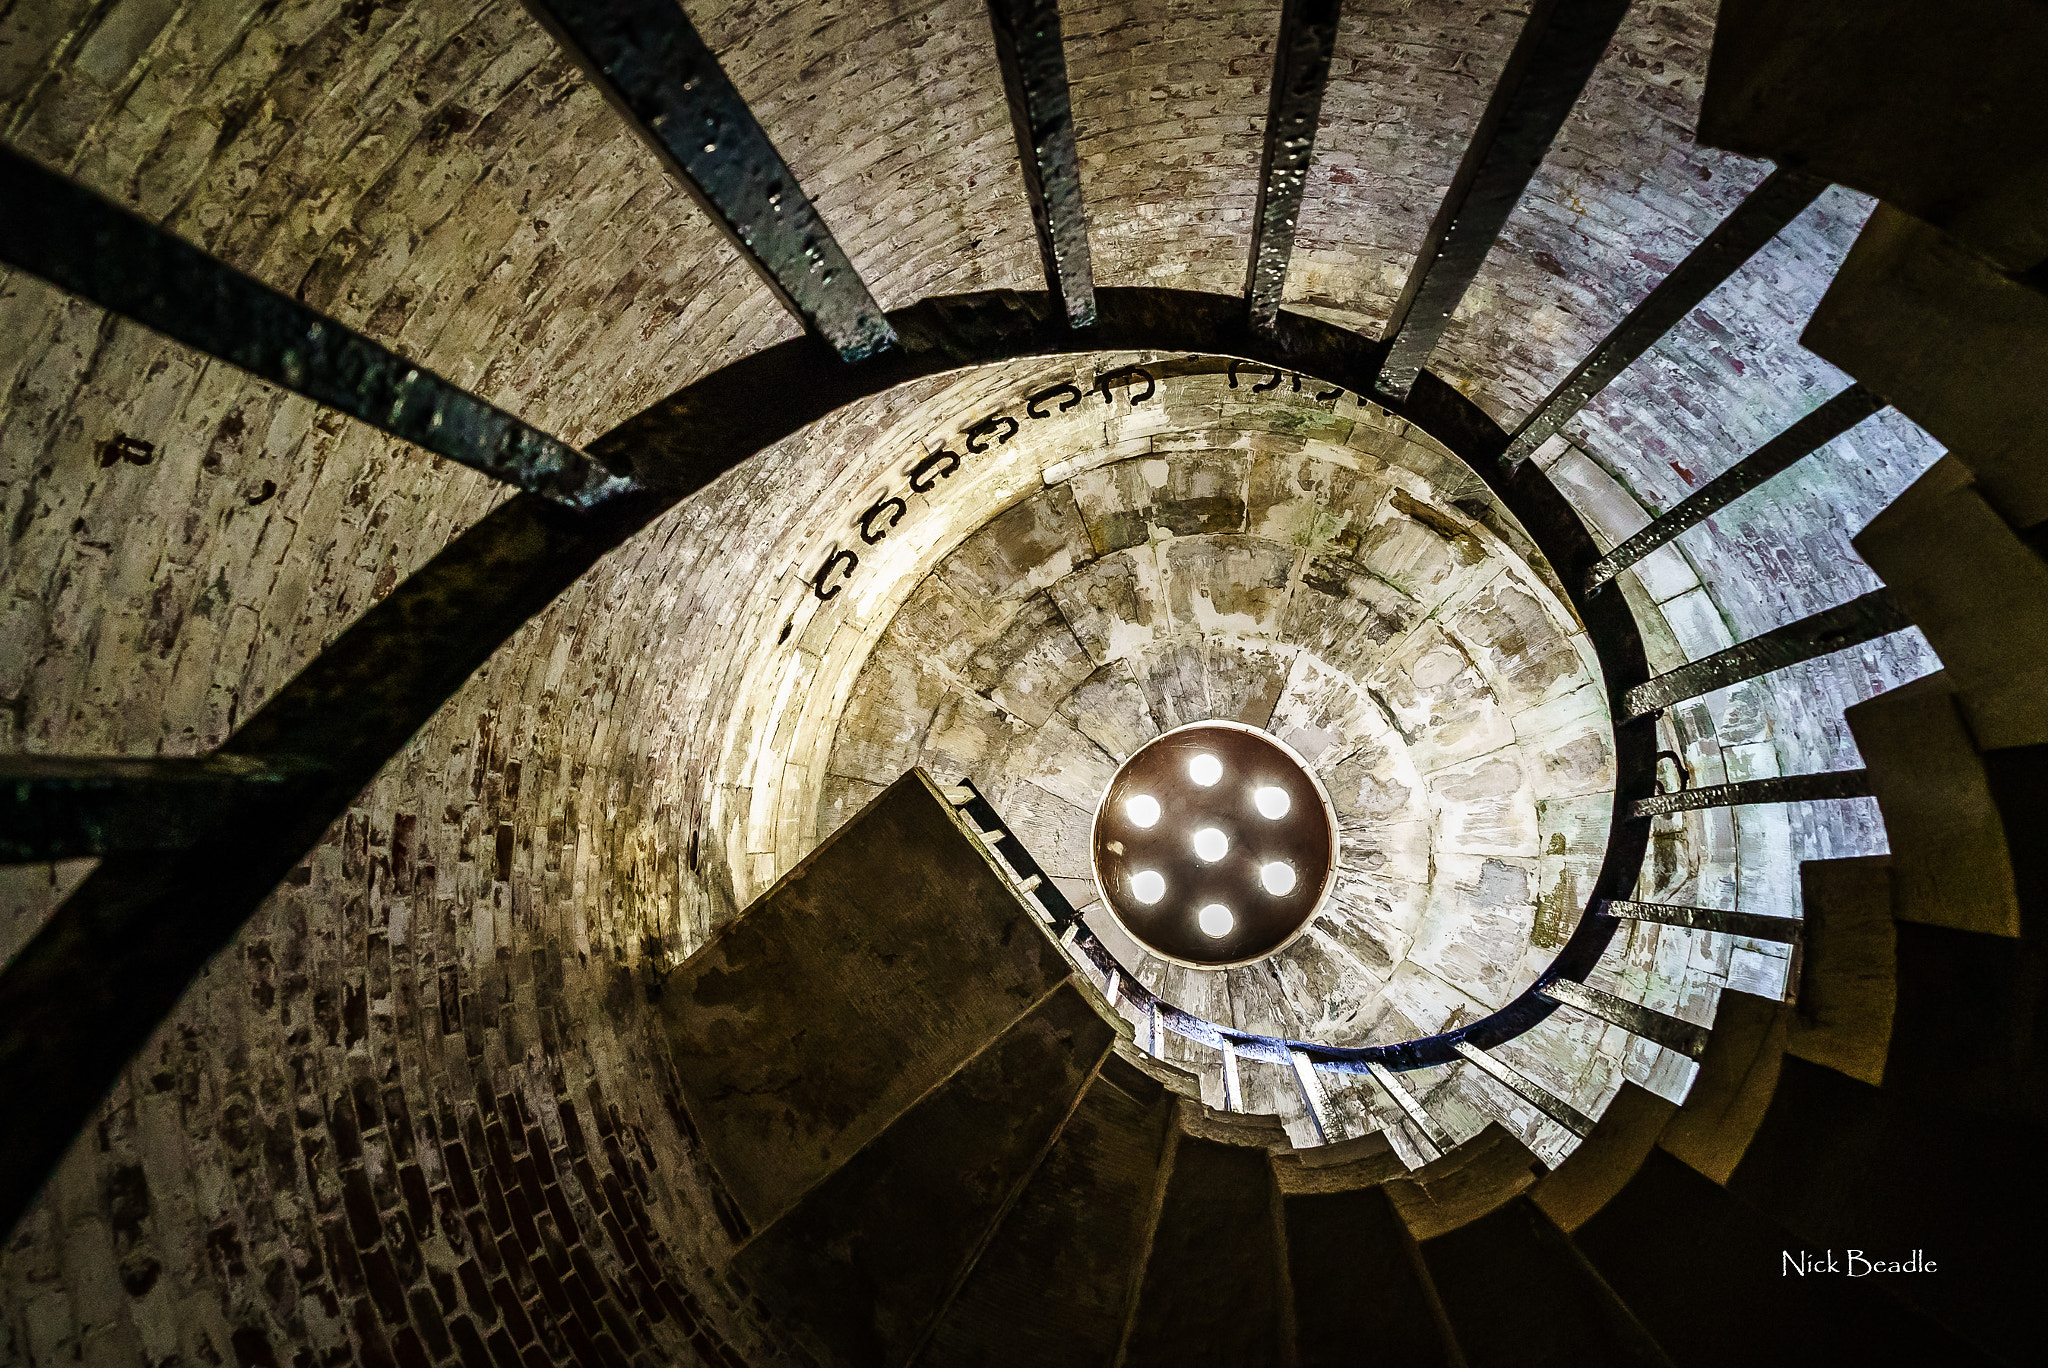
(1433, 1133)
(1673, 1033)
(1809, 434)
(1762, 215)
(1862, 619)
(1031, 49)
(1529, 1090)
(1301, 71)
(1311, 1089)
(1016, 855)
(86, 245)
(1560, 45)
(1787, 788)
(66, 807)
(654, 68)
(1750, 925)
(86, 991)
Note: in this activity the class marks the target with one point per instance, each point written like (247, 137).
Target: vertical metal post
(1033, 55)
(1301, 68)
(1425, 1124)
(1311, 1093)
(1233, 1091)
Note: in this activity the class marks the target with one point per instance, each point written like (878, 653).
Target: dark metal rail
(1763, 213)
(1827, 422)
(656, 71)
(1864, 618)
(1032, 52)
(1561, 43)
(1789, 788)
(85, 245)
(1301, 69)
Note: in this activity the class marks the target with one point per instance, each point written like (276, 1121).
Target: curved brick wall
(414, 1116)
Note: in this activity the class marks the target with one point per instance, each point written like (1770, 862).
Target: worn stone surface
(1222, 576)
(1946, 552)
(1086, 1213)
(1950, 861)
(1213, 1286)
(914, 945)
(651, 753)
(866, 1260)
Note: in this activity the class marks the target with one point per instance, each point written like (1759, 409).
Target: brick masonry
(414, 1115)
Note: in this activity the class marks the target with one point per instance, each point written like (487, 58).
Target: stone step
(1953, 343)
(1254, 1130)
(1948, 842)
(867, 1259)
(1607, 1160)
(1979, 593)
(1214, 1287)
(1707, 1275)
(1361, 1291)
(1864, 92)
(1468, 1181)
(1970, 1027)
(1840, 1165)
(1926, 944)
(1054, 1284)
(1517, 1292)
(1365, 1161)
(1171, 1076)
(1848, 967)
(860, 982)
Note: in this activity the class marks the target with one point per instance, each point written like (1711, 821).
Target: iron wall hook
(871, 534)
(1032, 401)
(987, 426)
(1104, 381)
(924, 468)
(825, 573)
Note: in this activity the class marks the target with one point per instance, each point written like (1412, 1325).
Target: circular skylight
(1278, 877)
(1213, 845)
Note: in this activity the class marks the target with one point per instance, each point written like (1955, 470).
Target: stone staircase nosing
(1053, 1194)
(1864, 93)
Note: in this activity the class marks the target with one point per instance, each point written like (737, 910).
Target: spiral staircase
(913, 1105)
(939, 1142)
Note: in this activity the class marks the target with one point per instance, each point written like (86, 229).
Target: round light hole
(1278, 877)
(1148, 885)
(1211, 844)
(1272, 802)
(1205, 769)
(1215, 919)
(1143, 810)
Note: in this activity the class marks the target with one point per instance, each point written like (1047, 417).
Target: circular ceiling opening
(1213, 845)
